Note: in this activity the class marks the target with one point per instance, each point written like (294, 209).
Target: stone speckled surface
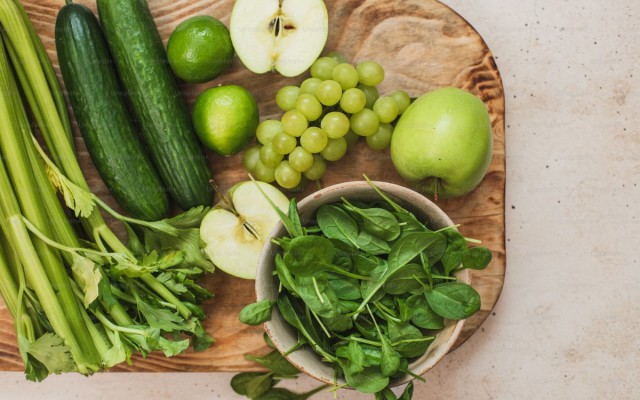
(567, 322)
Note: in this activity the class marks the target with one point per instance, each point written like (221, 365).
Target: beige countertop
(567, 323)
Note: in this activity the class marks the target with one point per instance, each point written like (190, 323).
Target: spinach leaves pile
(368, 287)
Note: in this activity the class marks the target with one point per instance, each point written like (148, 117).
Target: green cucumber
(142, 63)
(95, 94)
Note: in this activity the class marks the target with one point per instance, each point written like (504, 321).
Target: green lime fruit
(225, 118)
(444, 141)
(200, 49)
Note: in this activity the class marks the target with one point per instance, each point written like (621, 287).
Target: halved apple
(282, 35)
(235, 233)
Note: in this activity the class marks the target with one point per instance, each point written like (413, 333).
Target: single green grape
(335, 150)
(336, 124)
(402, 99)
(317, 170)
(382, 138)
(314, 140)
(353, 100)
(309, 106)
(294, 123)
(365, 123)
(386, 109)
(371, 93)
(267, 130)
(351, 138)
(300, 159)
(286, 176)
(286, 97)
(269, 156)
(264, 173)
(370, 73)
(323, 67)
(329, 93)
(284, 143)
(310, 85)
(251, 157)
(346, 75)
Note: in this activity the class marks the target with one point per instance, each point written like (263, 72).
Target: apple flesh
(282, 35)
(234, 236)
(444, 142)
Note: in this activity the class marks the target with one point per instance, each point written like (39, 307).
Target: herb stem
(315, 286)
(444, 277)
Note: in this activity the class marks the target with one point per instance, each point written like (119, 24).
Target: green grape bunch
(322, 118)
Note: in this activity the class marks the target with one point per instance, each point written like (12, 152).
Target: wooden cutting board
(423, 45)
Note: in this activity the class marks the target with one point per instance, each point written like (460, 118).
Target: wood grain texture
(422, 45)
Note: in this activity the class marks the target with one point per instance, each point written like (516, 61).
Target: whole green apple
(444, 141)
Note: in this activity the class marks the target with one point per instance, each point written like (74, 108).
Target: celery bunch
(81, 303)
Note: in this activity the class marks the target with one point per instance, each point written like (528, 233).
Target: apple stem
(435, 190)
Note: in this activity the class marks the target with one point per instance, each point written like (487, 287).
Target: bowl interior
(284, 336)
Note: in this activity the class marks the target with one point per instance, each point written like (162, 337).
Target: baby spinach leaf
(404, 310)
(275, 362)
(318, 295)
(410, 246)
(293, 215)
(340, 323)
(372, 244)
(409, 223)
(309, 255)
(366, 329)
(407, 394)
(252, 384)
(346, 289)
(422, 315)
(390, 361)
(284, 275)
(370, 380)
(335, 223)
(256, 313)
(377, 221)
(364, 265)
(476, 258)
(296, 317)
(369, 288)
(456, 245)
(386, 394)
(454, 300)
(405, 280)
(355, 358)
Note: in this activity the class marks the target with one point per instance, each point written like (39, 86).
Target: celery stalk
(49, 73)
(17, 32)
(8, 286)
(25, 55)
(33, 269)
(28, 193)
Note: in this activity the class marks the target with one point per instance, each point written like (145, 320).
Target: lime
(225, 118)
(200, 49)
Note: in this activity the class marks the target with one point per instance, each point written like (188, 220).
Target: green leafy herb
(276, 363)
(335, 223)
(454, 300)
(377, 221)
(256, 313)
(252, 384)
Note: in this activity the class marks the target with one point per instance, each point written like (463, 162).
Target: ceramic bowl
(284, 336)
